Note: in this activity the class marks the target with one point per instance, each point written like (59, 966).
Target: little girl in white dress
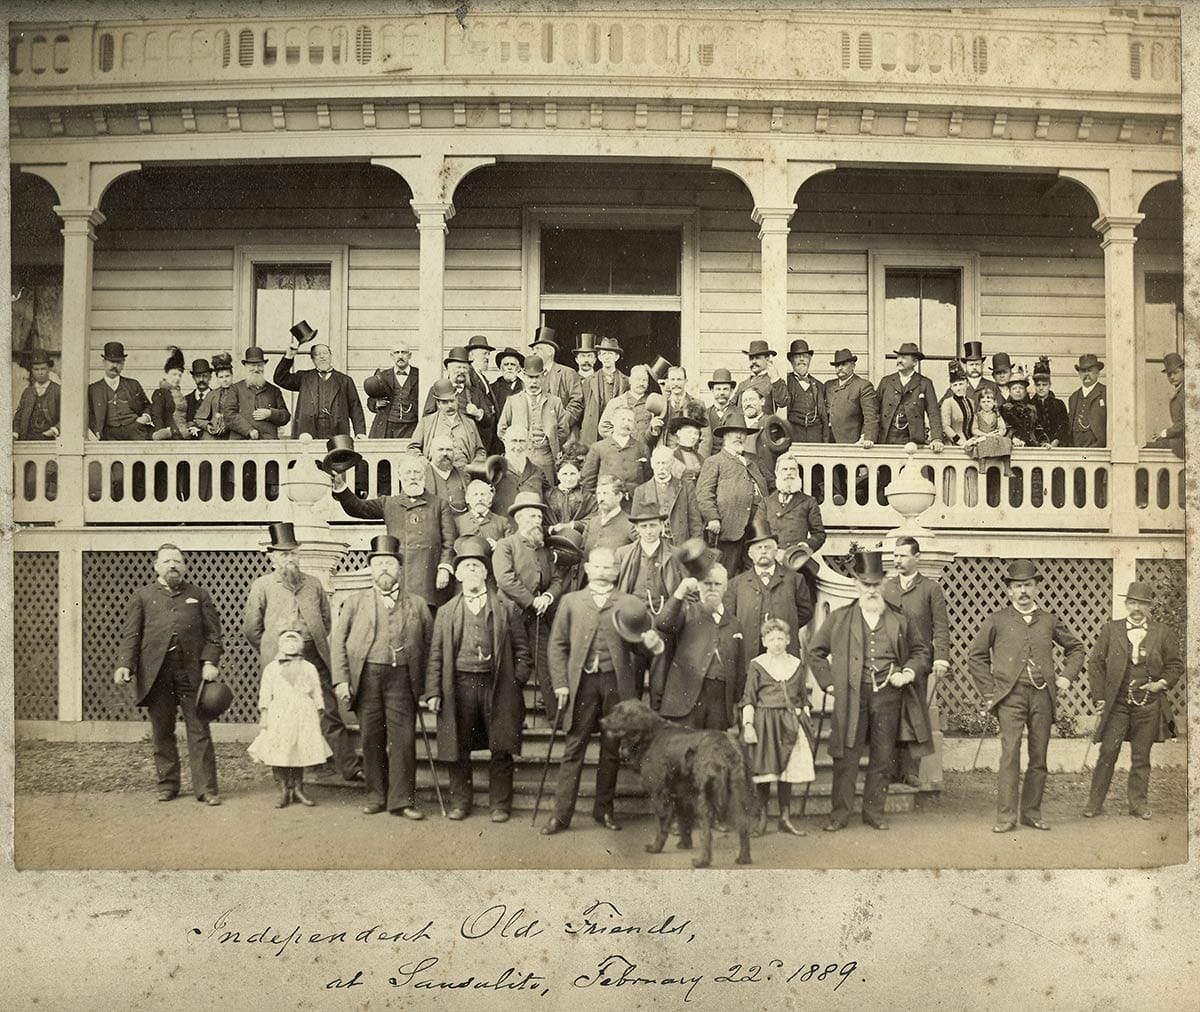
(290, 701)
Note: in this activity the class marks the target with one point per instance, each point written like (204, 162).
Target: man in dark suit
(730, 489)
(522, 473)
(976, 381)
(379, 647)
(38, 409)
(202, 377)
(509, 362)
(707, 673)
(853, 404)
(906, 400)
(327, 401)
(596, 661)
(1131, 667)
(557, 380)
(261, 411)
(722, 412)
(795, 517)
(1172, 437)
(671, 496)
(622, 454)
(392, 395)
(1011, 662)
(680, 404)
(601, 387)
(768, 589)
(171, 640)
(865, 654)
(118, 407)
(1087, 406)
(800, 398)
(763, 376)
(646, 568)
(479, 353)
(421, 522)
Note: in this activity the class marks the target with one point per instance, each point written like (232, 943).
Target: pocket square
(192, 600)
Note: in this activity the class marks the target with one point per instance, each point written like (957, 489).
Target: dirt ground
(93, 806)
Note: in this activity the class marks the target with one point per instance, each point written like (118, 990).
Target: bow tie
(402, 376)
(392, 595)
(472, 598)
(765, 574)
(1135, 625)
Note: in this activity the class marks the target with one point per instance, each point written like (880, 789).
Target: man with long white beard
(260, 407)
(795, 516)
(479, 519)
(522, 473)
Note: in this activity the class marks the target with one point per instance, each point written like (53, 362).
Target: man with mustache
(730, 490)
(522, 474)
(673, 497)
(327, 401)
(722, 412)
(541, 415)
(602, 387)
(620, 453)
(1011, 662)
(260, 407)
(509, 362)
(442, 478)
(800, 398)
(202, 377)
(479, 520)
(447, 421)
(38, 408)
(763, 376)
(392, 395)
(170, 641)
(118, 407)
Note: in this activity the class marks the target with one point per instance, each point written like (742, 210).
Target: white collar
(112, 384)
(907, 581)
(621, 443)
(653, 551)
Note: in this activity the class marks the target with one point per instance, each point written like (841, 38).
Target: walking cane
(537, 804)
(437, 788)
(979, 747)
(1086, 752)
(816, 745)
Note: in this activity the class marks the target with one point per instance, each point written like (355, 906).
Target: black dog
(698, 776)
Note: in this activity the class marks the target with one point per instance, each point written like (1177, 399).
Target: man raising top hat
(1011, 662)
(327, 401)
(118, 407)
(908, 404)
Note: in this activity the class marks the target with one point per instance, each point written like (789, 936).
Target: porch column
(79, 237)
(432, 218)
(1121, 364)
(773, 235)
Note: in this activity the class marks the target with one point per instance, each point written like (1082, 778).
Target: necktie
(1137, 635)
(391, 597)
(324, 375)
(475, 602)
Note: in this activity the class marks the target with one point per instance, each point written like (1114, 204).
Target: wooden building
(686, 182)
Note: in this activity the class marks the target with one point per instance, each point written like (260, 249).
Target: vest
(877, 650)
(600, 650)
(120, 413)
(389, 646)
(475, 648)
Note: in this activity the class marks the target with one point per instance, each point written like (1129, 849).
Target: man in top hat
(923, 603)
(680, 404)
(40, 404)
(599, 644)
(722, 412)
(1132, 666)
(907, 401)
(1172, 437)
(620, 453)
(853, 403)
(638, 399)
(170, 642)
(509, 363)
(447, 421)
(456, 369)
(559, 381)
(800, 398)
(478, 519)
(976, 381)
(768, 589)
(202, 377)
(525, 574)
(392, 394)
(957, 408)
(421, 522)
(585, 360)
(707, 673)
(1001, 372)
(609, 526)
(442, 478)
(1087, 406)
(261, 410)
(479, 662)
(730, 490)
(479, 352)
(379, 647)
(867, 656)
(763, 375)
(671, 496)
(118, 407)
(646, 568)
(327, 401)
(289, 598)
(1011, 662)
(1053, 427)
(602, 387)
(795, 517)
(521, 475)
(541, 414)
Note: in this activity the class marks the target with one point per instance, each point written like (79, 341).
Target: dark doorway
(642, 335)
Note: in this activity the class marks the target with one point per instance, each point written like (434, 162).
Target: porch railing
(235, 483)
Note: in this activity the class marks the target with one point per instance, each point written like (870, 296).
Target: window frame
(1144, 264)
(879, 261)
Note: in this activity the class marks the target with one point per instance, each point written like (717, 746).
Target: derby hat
(457, 354)
(528, 500)
(567, 546)
(200, 366)
(723, 430)
(631, 618)
(1001, 362)
(610, 344)
(1139, 591)
(1088, 361)
(114, 351)
(868, 567)
(39, 356)
(955, 368)
(340, 455)
(545, 335)
(760, 348)
(721, 376)
(695, 558)
(443, 390)
(254, 356)
(491, 470)
(659, 369)
(478, 341)
(1021, 569)
(656, 404)
(534, 366)
(1172, 361)
(385, 544)
(777, 434)
(646, 511)
(283, 537)
(303, 333)
(843, 355)
(760, 530)
(973, 351)
(472, 546)
(908, 348)
(587, 342)
(682, 421)
(509, 352)
(799, 347)
(212, 699)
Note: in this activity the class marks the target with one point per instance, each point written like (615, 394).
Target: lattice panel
(1168, 577)
(109, 578)
(354, 560)
(35, 635)
(1078, 591)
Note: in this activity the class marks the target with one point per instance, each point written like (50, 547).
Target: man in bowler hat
(602, 386)
(1132, 666)
(908, 404)
(541, 415)
(1011, 663)
(38, 408)
(721, 412)
(853, 403)
(202, 377)
(379, 647)
(1087, 406)
(768, 589)
(1172, 437)
(867, 656)
(170, 642)
(448, 421)
(800, 398)
(118, 407)
(261, 410)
